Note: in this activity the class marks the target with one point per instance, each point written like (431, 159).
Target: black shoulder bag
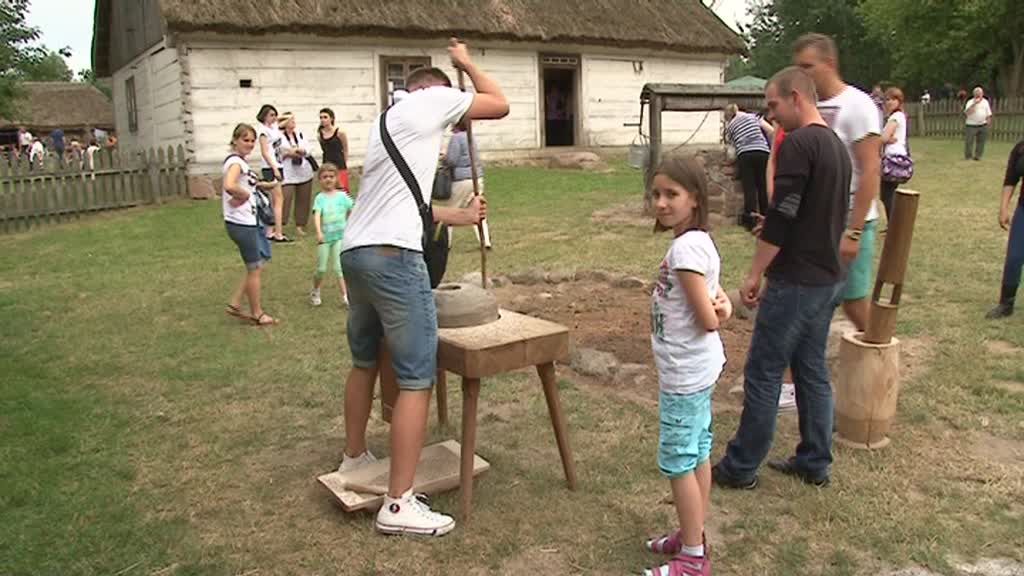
(435, 236)
(260, 201)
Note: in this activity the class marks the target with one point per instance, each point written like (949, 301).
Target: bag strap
(400, 164)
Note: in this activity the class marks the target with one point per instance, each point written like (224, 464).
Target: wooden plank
(514, 341)
(182, 172)
(437, 471)
(161, 170)
(153, 173)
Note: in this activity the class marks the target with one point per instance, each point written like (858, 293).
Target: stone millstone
(462, 305)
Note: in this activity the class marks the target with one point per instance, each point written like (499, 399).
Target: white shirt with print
(688, 357)
(274, 137)
(385, 213)
(853, 116)
(246, 213)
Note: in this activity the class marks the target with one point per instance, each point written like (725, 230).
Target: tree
(16, 52)
(778, 23)
(49, 68)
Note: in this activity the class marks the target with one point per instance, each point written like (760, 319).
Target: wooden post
(470, 395)
(892, 268)
(182, 172)
(153, 173)
(654, 132)
(468, 123)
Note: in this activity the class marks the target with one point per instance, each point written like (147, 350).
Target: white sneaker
(787, 397)
(409, 515)
(348, 463)
(314, 297)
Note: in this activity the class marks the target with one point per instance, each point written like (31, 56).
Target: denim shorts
(389, 297)
(858, 277)
(685, 433)
(252, 244)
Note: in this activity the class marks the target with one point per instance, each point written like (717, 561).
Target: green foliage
(777, 23)
(16, 51)
(49, 68)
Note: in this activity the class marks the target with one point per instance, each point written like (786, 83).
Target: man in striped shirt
(744, 132)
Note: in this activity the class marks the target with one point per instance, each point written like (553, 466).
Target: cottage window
(133, 112)
(394, 71)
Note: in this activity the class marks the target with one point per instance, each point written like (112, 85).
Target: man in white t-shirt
(979, 114)
(854, 118)
(389, 289)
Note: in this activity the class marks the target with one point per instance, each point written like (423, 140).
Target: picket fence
(945, 119)
(35, 196)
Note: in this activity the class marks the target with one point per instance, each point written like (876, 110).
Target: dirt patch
(628, 214)
(999, 450)
(536, 561)
(1001, 347)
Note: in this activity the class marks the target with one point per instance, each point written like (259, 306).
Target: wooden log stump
(866, 391)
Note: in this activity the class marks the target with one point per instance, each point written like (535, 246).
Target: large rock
(635, 374)
(462, 305)
(593, 276)
(596, 363)
(630, 282)
(201, 188)
(528, 277)
(577, 161)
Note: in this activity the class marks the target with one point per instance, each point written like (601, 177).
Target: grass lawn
(142, 432)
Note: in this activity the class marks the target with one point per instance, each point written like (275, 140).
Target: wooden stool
(515, 341)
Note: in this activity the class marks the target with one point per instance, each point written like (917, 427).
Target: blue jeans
(1015, 249)
(791, 331)
(390, 297)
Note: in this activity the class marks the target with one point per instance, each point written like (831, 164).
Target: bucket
(639, 152)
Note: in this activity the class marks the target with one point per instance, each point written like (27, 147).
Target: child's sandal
(680, 566)
(264, 320)
(669, 544)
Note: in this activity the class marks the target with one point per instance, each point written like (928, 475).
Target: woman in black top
(1015, 245)
(334, 143)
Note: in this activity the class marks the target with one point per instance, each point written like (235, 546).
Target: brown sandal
(232, 310)
(264, 320)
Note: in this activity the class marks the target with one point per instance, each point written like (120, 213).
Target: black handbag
(260, 200)
(442, 183)
(435, 235)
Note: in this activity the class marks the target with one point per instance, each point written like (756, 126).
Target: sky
(65, 23)
(69, 23)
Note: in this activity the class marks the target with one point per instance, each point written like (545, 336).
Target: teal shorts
(685, 434)
(858, 277)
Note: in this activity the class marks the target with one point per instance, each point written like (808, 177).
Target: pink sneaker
(683, 565)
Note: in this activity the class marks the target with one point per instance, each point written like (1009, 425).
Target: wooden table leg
(442, 397)
(470, 394)
(550, 383)
(388, 383)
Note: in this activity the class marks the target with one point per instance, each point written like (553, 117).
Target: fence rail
(37, 195)
(945, 119)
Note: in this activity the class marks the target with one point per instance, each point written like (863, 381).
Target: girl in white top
(687, 307)
(238, 200)
(269, 135)
(298, 173)
(894, 137)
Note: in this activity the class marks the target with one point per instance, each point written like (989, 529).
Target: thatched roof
(66, 105)
(676, 25)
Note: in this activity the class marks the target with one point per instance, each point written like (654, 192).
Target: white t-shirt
(853, 116)
(385, 213)
(274, 136)
(246, 213)
(978, 116)
(36, 152)
(688, 357)
(25, 139)
(292, 173)
(900, 145)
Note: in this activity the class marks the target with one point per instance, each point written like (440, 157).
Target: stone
(529, 277)
(545, 296)
(560, 276)
(577, 161)
(591, 362)
(462, 305)
(201, 188)
(476, 279)
(500, 281)
(635, 374)
(630, 282)
(593, 276)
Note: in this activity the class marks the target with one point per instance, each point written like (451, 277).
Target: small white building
(186, 71)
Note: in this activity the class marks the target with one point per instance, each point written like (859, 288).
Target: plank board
(438, 471)
(514, 341)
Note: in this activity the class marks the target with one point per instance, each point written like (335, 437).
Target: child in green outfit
(330, 214)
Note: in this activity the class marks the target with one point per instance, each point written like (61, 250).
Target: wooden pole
(468, 124)
(892, 268)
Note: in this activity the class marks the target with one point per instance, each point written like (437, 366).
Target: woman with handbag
(334, 143)
(457, 161)
(298, 171)
(897, 166)
(247, 212)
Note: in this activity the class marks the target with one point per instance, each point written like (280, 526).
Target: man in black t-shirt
(798, 251)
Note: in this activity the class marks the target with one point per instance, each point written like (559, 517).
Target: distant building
(74, 107)
(186, 72)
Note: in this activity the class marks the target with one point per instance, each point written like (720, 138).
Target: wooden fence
(945, 119)
(33, 196)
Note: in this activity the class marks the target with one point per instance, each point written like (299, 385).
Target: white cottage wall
(158, 100)
(611, 97)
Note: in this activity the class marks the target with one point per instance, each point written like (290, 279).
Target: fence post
(153, 171)
(181, 172)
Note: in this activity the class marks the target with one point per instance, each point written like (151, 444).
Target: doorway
(560, 91)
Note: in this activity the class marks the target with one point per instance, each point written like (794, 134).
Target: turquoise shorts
(685, 434)
(858, 277)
